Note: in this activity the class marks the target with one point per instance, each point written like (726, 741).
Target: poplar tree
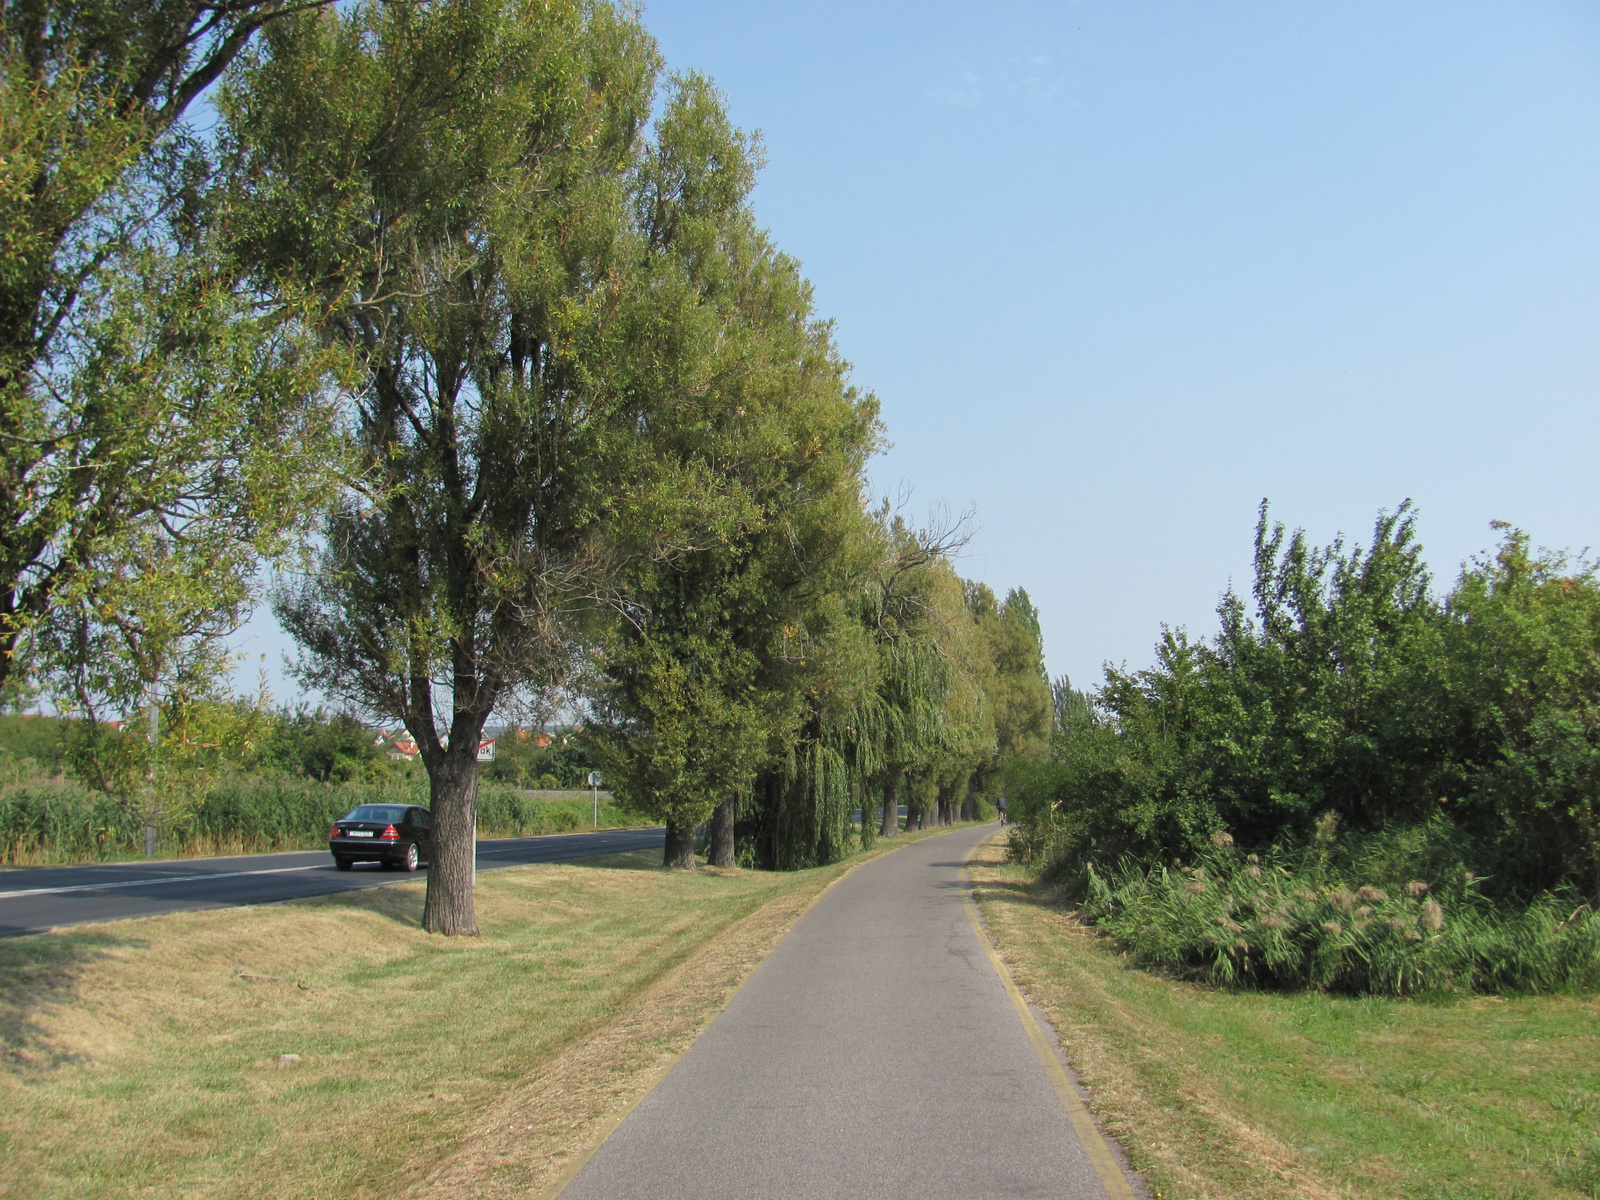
(453, 180)
(700, 684)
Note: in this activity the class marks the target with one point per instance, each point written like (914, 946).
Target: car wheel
(343, 863)
(410, 861)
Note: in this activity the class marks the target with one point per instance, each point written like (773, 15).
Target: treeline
(458, 313)
(1358, 783)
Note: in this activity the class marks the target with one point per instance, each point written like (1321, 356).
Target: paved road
(874, 1054)
(33, 899)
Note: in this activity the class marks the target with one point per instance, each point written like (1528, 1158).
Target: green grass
(137, 1056)
(1245, 1094)
(142, 1057)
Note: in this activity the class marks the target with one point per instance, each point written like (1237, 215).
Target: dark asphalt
(34, 899)
(874, 1054)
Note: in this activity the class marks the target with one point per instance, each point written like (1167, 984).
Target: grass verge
(1258, 1096)
(145, 1057)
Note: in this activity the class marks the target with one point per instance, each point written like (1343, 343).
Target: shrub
(1351, 690)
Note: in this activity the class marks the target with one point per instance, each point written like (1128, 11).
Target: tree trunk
(891, 808)
(721, 854)
(453, 794)
(680, 846)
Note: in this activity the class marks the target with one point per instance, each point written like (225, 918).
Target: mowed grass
(1239, 1095)
(143, 1057)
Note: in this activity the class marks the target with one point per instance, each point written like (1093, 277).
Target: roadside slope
(145, 1054)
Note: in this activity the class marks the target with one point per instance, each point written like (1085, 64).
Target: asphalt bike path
(34, 899)
(878, 1052)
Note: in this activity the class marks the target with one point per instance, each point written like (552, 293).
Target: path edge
(1099, 1151)
(560, 1183)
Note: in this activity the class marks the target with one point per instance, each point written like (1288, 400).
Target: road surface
(33, 899)
(874, 1054)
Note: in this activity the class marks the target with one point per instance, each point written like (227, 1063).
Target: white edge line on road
(122, 883)
(1094, 1144)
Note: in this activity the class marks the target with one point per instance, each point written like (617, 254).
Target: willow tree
(873, 701)
(1019, 690)
(967, 717)
(700, 682)
(454, 180)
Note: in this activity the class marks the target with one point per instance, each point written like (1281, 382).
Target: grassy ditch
(1250, 1095)
(144, 1057)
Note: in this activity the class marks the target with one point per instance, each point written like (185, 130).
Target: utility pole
(150, 811)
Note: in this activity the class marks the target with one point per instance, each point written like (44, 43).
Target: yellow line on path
(1094, 1145)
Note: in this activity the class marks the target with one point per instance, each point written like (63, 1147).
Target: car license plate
(358, 833)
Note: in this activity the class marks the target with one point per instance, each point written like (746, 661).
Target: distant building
(403, 747)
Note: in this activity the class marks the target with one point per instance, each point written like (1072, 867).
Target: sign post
(594, 782)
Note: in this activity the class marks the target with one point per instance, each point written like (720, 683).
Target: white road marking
(122, 883)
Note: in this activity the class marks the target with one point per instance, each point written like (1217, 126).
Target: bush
(1351, 691)
(333, 748)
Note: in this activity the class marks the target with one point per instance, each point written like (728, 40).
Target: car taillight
(334, 832)
(389, 832)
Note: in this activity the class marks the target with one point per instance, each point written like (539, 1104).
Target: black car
(398, 835)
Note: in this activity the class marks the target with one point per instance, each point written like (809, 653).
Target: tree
(897, 724)
(700, 684)
(1522, 685)
(107, 322)
(453, 179)
(1019, 690)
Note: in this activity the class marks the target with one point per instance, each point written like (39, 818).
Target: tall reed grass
(1306, 920)
(55, 819)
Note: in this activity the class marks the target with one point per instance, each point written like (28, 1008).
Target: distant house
(403, 747)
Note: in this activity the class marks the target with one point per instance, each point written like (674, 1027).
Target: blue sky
(1117, 271)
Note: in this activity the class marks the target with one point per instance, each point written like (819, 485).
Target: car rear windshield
(387, 813)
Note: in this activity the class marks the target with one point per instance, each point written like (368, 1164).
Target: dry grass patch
(1220, 1095)
(145, 1057)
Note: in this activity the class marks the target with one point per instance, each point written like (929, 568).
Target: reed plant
(1310, 918)
(56, 819)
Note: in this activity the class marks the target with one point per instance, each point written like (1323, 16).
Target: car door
(422, 821)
